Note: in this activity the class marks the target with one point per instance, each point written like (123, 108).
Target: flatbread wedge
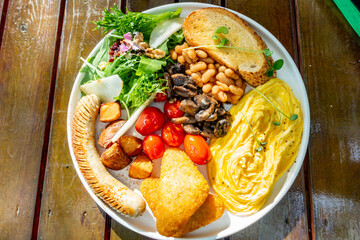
(211, 210)
(104, 185)
(200, 26)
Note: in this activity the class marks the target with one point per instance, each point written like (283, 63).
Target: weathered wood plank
(331, 60)
(68, 211)
(142, 5)
(289, 218)
(26, 63)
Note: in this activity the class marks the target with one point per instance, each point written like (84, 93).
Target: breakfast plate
(228, 224)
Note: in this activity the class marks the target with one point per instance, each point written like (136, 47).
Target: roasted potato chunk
(141, 167)
(109, 132)
(131, 145)
(115, 158)
(110, 112)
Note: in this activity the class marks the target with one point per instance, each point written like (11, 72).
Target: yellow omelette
(241, 175)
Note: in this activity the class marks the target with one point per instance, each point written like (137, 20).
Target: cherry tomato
(172, 134)
(171, 110)
(160, 97)
(149, 121)
(153, 146)
(197, 149)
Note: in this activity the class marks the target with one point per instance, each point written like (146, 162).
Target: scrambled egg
(241, 175)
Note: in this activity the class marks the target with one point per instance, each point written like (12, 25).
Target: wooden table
(41, 197)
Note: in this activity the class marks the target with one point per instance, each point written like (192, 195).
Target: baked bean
(213, 80)
(191, 53)
(235, 76)
(181, 59)
(173, 54)
(185, 45)
(222, 69)
(217, 65)
(224, 79)
(207, 87)
(222, 96)
(188, 72)
(236, 90)
(239, 83)
(201, 54)
(197, 67)
(243, 85)
(207, 75)
(229, 72)
(215, 90)
(178, 49)
(222, 86)
(186, 57)
(211, 66)
(208, 60)
(197, 79)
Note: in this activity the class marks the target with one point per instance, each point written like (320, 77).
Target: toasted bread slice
(211, 210)
(199, 28)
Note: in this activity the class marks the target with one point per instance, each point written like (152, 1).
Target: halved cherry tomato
(160, 97)
(149, 121)
(197, 149)
(171, 110)
(153, 146)
(173, 134)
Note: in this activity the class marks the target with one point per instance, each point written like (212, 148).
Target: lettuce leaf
(132, 21)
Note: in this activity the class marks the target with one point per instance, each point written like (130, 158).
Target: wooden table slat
(331, 63)
(67, 210)
(289, 218)
(26, 66)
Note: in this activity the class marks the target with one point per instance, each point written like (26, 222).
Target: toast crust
(103, 184)
(201, 24)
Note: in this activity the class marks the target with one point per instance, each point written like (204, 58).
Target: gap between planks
(306, 164)
(3, 20)
(47, 131)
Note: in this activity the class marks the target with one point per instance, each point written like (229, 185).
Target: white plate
(228, 224)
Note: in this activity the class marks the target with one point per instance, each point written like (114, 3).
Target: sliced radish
(164, 30)
(106, 88)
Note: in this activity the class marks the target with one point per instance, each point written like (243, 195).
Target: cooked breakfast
(197, 69)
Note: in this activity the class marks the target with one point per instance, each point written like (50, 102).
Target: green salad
(125, 52)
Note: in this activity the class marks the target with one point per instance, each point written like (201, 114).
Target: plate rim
(284, 189)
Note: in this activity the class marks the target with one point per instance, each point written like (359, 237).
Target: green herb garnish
(292, 117)
(260, 144)
(277, 65)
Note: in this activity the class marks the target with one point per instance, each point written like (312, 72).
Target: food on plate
(131, 145)
(259, 147)
(164, 30)
(103, 184)
(173, 134)
(153, 146)
(197, 149)
(149, 121)
(108, 133)
(171, 109)
(141, 167)
(211, 210)
(106, 88)
(181, 191)
(110, 112)
(115, 158)
(213, 78)
(199, 28)
(160, 97)
(204, 115)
